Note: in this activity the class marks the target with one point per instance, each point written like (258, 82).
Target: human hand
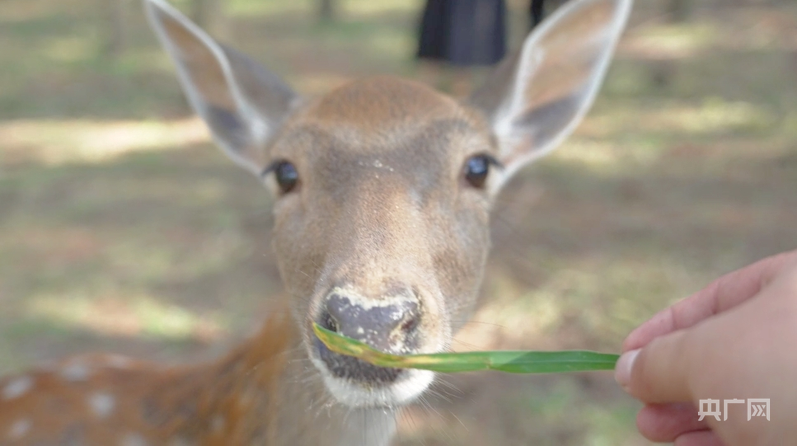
(735, 339)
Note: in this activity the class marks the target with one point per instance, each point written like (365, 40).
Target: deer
(382, 191)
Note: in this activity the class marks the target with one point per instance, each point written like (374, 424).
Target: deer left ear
(536, 99)
(242, 103)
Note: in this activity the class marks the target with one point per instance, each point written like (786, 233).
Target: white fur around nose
(399, 393)
(366, 303)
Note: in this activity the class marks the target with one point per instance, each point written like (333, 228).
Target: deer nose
(389, 324)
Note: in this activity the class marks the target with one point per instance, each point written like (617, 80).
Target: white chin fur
(403, 391)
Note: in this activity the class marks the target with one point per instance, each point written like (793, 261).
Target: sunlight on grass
(599, 156)
(365, 7)
(712, 116)
(62, 141)
(125, 315)
(671, 41)
(11, 11)
(612, 141)
(145, 263)
(266, 7)
(144, 62)
(397, 45)
(71, 49)
(609, 426)
(790, 125)
(344, 8)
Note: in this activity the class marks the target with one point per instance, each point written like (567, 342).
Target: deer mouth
(356, 383)
(354, 369)
(395, 322)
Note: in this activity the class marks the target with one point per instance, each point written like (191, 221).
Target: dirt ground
(123, 229)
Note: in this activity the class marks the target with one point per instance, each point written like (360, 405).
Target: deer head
(383, 187)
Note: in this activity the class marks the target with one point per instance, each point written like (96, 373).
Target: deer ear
(242, 103)
(535, 99)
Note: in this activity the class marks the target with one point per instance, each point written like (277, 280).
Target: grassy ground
(122, 228)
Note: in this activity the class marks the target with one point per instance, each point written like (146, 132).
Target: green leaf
(504, 361)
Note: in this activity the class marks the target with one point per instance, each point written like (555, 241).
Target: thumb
(658, 372)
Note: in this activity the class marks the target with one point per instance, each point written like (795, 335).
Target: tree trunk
(678, 10)
(116, 28)
(326, 10)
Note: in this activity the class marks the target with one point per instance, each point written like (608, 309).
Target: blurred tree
(326, 10)
(678, 10)
(663, 72)
(116, 28)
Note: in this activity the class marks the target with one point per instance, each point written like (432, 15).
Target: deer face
(383, 187)
(382, 231)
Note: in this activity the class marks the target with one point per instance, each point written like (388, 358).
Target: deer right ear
(536, 99)
(242, 103)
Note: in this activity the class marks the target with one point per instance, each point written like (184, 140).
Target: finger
(657, 373)
(699, 438)
(721, 295)
(666, 422)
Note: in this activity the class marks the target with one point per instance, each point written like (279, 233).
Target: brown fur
(229, 402)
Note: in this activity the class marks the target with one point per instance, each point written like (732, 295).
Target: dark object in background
(326, 10)
(539, 9)
(537, 12)
(463, 32)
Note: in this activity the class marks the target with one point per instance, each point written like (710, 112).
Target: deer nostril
(390, 325)
(410, 323)
(329, 322)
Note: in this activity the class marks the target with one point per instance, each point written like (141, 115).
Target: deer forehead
(382, 126)
(371, 102)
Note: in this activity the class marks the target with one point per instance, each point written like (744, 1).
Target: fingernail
(622, 371)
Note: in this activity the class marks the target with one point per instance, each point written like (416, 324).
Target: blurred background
(123, 229)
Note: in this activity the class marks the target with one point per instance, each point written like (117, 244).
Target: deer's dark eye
(286, 175)
(477, 168)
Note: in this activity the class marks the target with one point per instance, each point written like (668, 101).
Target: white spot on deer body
(180, 441)
(75, 371)
(118, 361)
(217, 423)
(19, 429)
(17, 387)
(133, 439)
(102, 404)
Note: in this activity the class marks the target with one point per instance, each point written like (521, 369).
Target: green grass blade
(504, 361)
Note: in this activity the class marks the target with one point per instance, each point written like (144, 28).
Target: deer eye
(477, 168)
(285, 173)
